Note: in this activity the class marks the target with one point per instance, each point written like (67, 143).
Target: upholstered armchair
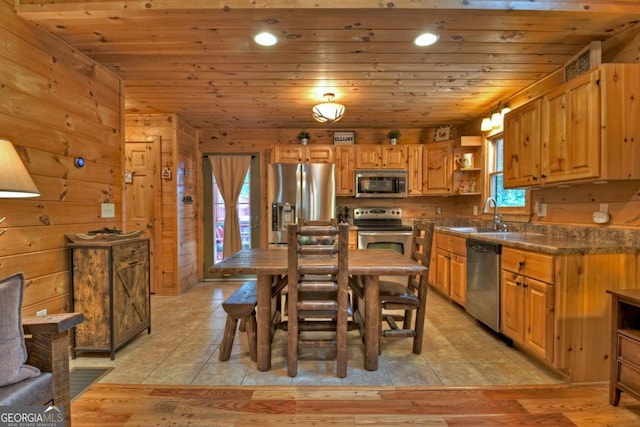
(33, 371)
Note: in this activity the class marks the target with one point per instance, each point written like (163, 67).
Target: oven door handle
(385, 233)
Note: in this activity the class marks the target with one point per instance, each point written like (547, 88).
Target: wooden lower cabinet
(527, 313)
(450, 267)
(458, 275)
(110, 284)
(554, 307)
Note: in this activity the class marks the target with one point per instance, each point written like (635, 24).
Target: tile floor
(186, 331)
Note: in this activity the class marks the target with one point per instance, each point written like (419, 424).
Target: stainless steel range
(382, 228)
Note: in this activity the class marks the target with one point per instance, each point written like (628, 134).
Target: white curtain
(229, 172)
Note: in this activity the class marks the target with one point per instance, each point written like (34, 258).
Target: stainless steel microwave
(381, 183)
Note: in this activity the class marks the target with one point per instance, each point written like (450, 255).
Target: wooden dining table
(370, 264)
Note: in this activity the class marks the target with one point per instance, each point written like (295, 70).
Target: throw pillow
(13, 352)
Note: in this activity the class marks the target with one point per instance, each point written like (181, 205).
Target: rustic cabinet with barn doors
(584, 130)
(110, 284)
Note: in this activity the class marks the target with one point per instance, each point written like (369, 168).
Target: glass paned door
(244, 213)
(214, 214)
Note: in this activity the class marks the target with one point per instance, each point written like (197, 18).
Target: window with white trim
(508, 200)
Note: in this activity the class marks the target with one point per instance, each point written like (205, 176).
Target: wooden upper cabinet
(368, 157)
(394, 157)
(289, 153)
(584, 130)
(620, 130)
(381, 157)
(345, 162)
(437, 172)
(414, 169)
(571, 131)
(522, 146)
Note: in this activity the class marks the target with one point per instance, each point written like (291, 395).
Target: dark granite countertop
(546, 243)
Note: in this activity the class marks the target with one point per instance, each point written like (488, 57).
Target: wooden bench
(240, 306)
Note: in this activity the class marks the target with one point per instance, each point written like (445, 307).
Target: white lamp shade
(496, 120)
(15, 180)
(486, 124)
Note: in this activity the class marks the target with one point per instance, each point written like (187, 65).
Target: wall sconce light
(495, 121)
(486, 124)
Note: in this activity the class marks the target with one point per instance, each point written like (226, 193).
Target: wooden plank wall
(55, 104)
(189, 223)
(178, 251)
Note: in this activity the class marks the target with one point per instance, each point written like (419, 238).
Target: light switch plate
(108, 210)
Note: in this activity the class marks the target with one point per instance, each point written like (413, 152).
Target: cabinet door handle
(518, 283)
(133, 262)
(521, 264)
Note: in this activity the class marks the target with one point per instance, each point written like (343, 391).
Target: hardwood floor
(146, 405)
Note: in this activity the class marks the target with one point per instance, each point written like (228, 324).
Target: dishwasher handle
(482, 246)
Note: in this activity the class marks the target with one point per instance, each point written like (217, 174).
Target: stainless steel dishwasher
(483, 282)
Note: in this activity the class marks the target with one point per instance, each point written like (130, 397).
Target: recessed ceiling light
(425, 39)
(265, 39)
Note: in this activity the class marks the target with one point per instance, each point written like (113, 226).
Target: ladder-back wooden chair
(411, 298)
(318, 286)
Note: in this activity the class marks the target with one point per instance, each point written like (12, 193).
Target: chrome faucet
(497, 218)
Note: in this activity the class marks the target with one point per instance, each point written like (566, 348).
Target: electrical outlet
(42, 312)
(475, 210)
(108, 210)
(604, 207)
(438, 210)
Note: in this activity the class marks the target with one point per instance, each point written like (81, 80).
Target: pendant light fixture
(329, 111)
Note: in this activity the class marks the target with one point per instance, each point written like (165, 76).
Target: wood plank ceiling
(197, 58)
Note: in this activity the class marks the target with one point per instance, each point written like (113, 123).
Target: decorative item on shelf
(465, 160)
(462, 188)
(443, 133)
(473, 188)
(303, 137)
(328, 111)
(344, 137)
(393, 136)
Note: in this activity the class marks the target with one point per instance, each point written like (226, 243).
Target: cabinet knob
(150, 225)
(521, 264)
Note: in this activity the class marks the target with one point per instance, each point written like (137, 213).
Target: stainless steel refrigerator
(299, 191)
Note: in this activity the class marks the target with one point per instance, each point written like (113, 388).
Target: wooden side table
(625, 344)
(48, 350)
